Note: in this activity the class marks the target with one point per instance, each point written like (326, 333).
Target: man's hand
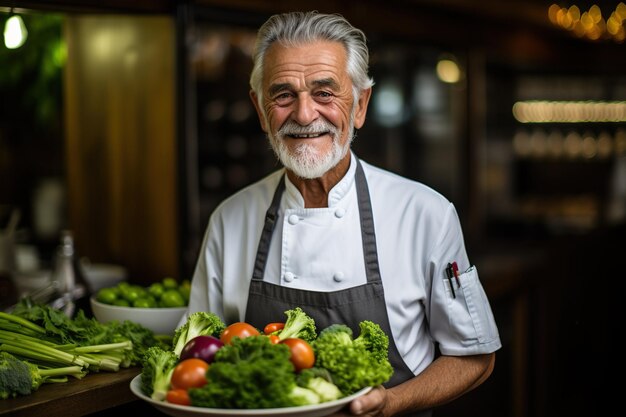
(447, 378)
(369, 405)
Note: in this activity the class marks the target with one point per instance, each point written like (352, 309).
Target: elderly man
(342, 239)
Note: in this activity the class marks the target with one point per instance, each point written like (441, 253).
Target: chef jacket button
(338, 277)
(293, 219)
(339, 213)
(289, 276)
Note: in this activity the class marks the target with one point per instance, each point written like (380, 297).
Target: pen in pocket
(449, 273)
(455, 268)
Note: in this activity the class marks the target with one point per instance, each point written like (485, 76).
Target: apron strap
(368, 234)
(271, 216)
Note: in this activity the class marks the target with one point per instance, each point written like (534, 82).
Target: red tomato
(274, 339)
(178, 396)
(272, 327)
(189, 373)
(238, 329)
(302, 355)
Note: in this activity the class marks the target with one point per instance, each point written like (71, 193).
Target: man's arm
(447, 378)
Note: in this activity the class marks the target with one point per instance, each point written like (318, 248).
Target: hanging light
(15, 32)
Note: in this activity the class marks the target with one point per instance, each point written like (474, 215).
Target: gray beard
(305, 160)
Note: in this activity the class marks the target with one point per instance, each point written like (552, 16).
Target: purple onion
(201, 347)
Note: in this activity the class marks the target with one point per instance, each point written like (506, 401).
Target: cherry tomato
(178, 396)
(238, 329)
(272, 327)
(189, 373)
(302, 355)
(274, 339)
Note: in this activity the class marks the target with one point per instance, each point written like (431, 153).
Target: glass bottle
(68, 278)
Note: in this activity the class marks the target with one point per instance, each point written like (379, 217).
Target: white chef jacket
(417, 232)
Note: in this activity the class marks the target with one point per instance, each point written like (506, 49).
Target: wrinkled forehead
(320, 59)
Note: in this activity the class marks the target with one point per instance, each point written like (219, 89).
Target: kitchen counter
(77, 397)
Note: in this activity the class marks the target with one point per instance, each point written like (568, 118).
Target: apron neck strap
(368, 234)
(271, 217)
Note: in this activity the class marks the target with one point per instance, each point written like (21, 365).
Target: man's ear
(259, 110)
(361, 107)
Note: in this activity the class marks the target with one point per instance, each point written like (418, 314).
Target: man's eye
(323, 96)
(283, 98)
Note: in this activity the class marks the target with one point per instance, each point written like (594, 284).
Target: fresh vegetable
(107, 341)
(178, 396)
(172, 298)
(19, 377)
(319, 381)
(197, 324)
(298, 324)
(238, 330)
(253, 370)
(156, 372)
(165, 293)
(189, 373)
(373, 339)
(353, 364)
(14, 377)
(302, 396)
(273, 327)
(249, 372)
(170, 283)
(302, 355)
(28, 340)
(202, 347)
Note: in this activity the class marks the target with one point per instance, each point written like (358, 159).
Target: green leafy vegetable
(197, 324)
(157, 367)
(251, 372)
(319, 381)
(374, 340)
(303, 396)
(354, 363)
(19, 377)
(119, 344)
(299, 325)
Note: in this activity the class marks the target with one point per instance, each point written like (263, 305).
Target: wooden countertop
(77, 397)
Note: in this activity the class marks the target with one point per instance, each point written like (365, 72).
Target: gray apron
(268, 302)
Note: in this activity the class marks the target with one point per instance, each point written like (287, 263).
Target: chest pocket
(469, 313)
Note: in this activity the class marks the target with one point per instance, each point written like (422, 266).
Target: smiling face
(308, 108)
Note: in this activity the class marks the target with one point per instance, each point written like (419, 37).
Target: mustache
(291, 127)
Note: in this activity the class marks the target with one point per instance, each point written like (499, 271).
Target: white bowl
(103, 275)
(161, 320)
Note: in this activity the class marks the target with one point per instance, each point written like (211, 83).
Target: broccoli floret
(15, 376)
(373, 339)
(250, 372)
(298, 324)
(341, 333)
(353, 366)
(157, 367)
(18, 377)
(198, 323)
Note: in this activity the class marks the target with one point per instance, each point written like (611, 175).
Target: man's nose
(305, 111)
